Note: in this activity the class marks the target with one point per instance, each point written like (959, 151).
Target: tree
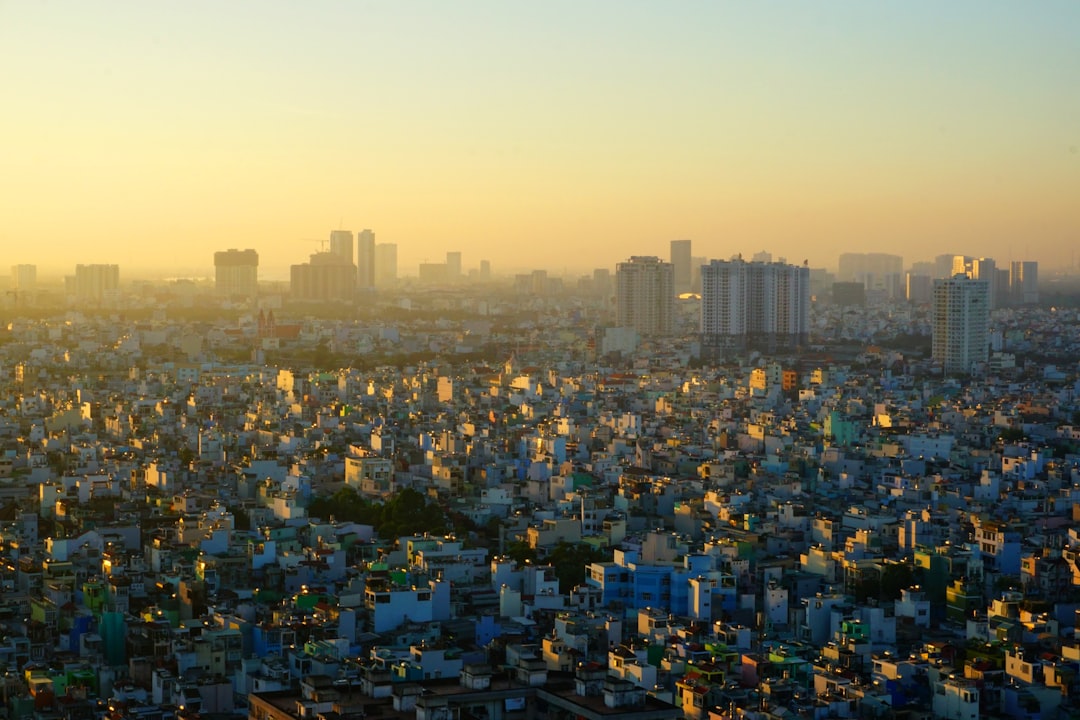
(570, 561)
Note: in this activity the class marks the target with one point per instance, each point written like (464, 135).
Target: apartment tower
(645, 295)
(236, 273)
(961, 323)
(754, 306)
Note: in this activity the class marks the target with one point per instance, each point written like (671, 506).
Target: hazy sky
(538, 134)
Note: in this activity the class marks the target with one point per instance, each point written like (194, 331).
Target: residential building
(236, 273)
(645, 299)
(754, 306)
(961, 323)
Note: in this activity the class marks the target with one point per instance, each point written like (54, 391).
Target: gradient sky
(559, 134)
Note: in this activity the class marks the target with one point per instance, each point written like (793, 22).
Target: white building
(754, 305)
(961, 323)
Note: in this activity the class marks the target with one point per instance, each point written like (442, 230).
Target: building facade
(386, 271)
(327, 277)
(341, 243)
(754, 305)
(1024, 282)
(682, 261)
(236, 273)
(94, 282)
(365, 259)
(961, 323)
(645, 295)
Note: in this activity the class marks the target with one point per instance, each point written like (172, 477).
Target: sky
(563, 134)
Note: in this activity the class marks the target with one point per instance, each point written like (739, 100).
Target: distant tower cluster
(961, 323)
(754, 305)
(236, 273)
(645, 295)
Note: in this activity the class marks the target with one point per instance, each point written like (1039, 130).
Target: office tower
(681, 260)
(236, 273)
(1024, 282)
(385, 264)
(94, 282)
(485, 270)
(645, 295)
(760, 306)
(327, 277)
(365, 259)
(961, 323)
(341, 243)
(24, 278)
(453, 266)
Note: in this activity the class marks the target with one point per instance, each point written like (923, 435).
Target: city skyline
(486, 128)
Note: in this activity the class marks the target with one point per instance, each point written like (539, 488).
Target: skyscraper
(1024, 282)
(682, 262)
(755, 305)
(24, 278)
(341, 243)
(236, 273)
(385, 264)
(645, 295)
(94, 282)
(365, 259)
(453, 265)
(961, 323)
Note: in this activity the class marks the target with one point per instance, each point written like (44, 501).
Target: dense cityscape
(681, 487)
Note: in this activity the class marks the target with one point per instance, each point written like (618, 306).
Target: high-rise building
(986, 269)
(943, 265)
(645, 295)
(1024, 282)
(961, 323)
(385, 264)
(341, 243)
(682, 261)
(94, 282)
(365, 259)
(236, 273)
(920, 288)
(876, 271)
(752, 305)
(24, 278)
(327, 277)
(453, 266)
(485, 270)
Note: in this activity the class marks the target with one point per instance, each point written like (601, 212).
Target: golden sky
(563, 134)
